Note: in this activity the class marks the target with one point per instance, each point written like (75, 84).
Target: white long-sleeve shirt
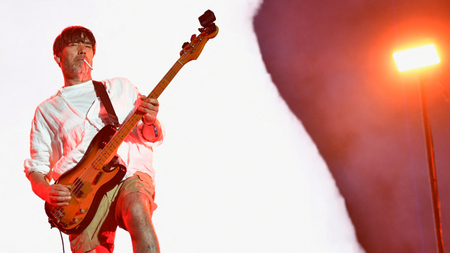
(64, 125)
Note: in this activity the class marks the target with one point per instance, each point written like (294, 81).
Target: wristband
(155, 129)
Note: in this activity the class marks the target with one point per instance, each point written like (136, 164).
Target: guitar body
(89, 181)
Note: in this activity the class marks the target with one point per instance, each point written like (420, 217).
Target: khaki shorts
(102, 229)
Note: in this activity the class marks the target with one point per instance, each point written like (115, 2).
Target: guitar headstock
(192, 50)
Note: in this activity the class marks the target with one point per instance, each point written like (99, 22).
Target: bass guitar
(98, 172)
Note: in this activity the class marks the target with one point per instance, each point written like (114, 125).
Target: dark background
(332, 62)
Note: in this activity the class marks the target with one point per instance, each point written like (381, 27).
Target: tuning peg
(185, 44)
(193, 37)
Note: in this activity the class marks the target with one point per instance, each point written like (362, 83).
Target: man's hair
(73, 34)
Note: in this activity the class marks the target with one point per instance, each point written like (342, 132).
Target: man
(62, 129)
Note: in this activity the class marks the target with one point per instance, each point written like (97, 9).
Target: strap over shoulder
(106, 101)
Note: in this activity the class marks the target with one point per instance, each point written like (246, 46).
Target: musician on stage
(64, 126)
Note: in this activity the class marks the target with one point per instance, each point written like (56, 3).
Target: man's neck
(75, 81)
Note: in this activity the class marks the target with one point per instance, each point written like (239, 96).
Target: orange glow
(416, 57)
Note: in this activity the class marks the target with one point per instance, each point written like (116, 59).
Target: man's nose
(81, 49)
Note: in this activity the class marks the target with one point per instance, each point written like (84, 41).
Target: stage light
(419, 58)
(416, 57)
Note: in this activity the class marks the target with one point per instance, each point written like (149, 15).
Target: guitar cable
(62, 241)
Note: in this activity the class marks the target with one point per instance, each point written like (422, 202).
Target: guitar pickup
(97, 178)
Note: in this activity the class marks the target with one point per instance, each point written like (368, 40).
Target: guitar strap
(101, 93)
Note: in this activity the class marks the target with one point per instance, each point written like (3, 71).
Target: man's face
(72, 58)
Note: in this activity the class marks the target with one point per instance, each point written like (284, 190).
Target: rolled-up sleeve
(40, 148)
(147, 143)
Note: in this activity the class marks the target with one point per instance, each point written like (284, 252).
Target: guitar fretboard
(133, 120)
(190, 52)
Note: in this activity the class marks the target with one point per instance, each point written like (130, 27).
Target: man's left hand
(150, 106)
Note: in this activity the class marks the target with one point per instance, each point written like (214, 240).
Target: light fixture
(417, 59)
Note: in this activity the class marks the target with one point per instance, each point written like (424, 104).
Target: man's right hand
(55, 194)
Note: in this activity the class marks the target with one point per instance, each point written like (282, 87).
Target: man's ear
(58, 60)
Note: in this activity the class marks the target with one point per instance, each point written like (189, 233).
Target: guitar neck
(190, 52)
(156, 92)
(133, 120)
(166, 80)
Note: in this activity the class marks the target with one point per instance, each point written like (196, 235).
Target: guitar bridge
(58, 213)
